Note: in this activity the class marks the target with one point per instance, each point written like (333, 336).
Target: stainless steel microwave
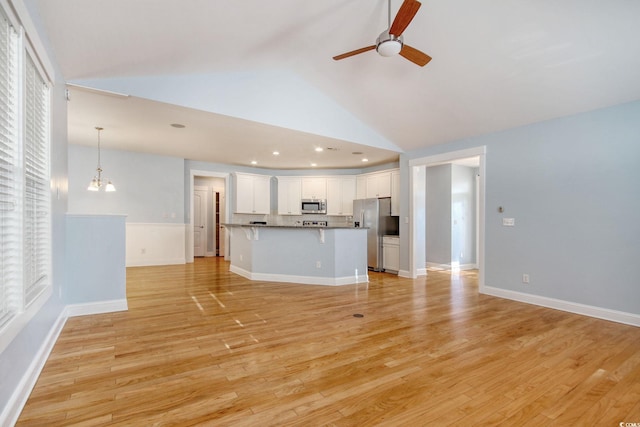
(314, 206)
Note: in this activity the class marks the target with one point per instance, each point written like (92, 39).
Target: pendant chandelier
(97, 183)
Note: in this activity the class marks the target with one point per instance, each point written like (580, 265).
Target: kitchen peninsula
(297, 254)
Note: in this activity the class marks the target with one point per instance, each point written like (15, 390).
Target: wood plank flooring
(202, 346)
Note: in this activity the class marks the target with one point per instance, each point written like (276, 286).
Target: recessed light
(319, 149)
(365, 160)
(276, 153)
(253, 162)
(178, 125)
(314, 165)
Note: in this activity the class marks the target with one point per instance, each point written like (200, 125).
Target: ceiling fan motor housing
(389, 45)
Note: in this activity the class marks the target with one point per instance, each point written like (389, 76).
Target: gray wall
(438, 214)
(573, 187)
(16, 359)
(150, 188)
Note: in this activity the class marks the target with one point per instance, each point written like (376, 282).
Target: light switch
(508, 222)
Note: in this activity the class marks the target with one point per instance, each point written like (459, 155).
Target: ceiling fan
(390, 42)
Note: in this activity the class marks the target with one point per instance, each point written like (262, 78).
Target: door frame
(225, 217)
(206, 217)
(417, 188)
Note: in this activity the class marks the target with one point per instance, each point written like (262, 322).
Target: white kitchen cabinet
(379, 185)
(391, 253)
(340, 194)
(361, 187)
(253, 193)
(289, 195)
(395, 193)
(314, 187)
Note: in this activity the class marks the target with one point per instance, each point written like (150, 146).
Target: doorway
(451, 210)
(208, 201)
(417, 206)
(208, 211)
(200, 214)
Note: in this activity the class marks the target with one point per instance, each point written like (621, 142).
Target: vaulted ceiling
(258, 76)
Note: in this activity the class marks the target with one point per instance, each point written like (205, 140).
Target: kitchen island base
(312, 256)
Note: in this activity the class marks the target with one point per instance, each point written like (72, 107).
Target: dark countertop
(328, 227)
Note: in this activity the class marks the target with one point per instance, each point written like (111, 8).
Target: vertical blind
(10, 245)
(24, 176)
(36, 183)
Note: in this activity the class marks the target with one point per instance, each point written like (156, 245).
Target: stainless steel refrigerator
(375, 214)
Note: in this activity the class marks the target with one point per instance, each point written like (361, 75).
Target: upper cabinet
(361, 187)
(253, 193)
(314, 187)
(289, 195)
(379, 185)
(395, 193)
(341, 191)
(374, 185)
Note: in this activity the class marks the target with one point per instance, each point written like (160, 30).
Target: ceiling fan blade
(402, 20)
(414, 55)
(354, 52)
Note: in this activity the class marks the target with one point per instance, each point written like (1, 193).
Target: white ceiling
(496, 64)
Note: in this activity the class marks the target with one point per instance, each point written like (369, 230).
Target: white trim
(18, 399)
(304, 280)
(99, 307)
(421, 272)
(571, 307)
(144, 262)
(404, 273)
(439, 266)
(21, 319)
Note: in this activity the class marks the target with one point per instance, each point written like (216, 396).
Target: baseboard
(447, 267)
(571, 307)
(145, 262)
(438, 266)
(405, 273)
(19, 398)
(99, 307)
(421, 272)
(305, 280)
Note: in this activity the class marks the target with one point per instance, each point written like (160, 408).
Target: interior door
(199, 221)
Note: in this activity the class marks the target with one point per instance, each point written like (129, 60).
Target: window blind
(36, 216)
(10, 198)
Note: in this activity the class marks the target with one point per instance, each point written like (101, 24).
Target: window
(9, 171)
(25, 230)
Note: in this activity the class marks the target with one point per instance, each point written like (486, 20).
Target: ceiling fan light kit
(390, 42)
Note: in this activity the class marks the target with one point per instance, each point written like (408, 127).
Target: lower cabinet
(391, 253)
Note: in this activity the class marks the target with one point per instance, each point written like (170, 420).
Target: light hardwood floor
(202, 346)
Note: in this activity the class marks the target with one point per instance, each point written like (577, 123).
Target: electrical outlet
(525, 278)
(143, 251)
(318, 264)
